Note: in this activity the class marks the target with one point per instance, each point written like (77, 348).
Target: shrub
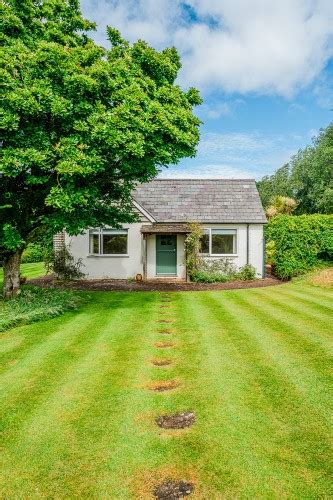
(246, 273)
(214, 271)
(218, 266)
(63, 264)
(299, 242)
(33, 253)
(36, 304)
(209, 277)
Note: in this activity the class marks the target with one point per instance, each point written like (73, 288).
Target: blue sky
(264, 70)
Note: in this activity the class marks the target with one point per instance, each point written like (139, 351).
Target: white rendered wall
(256, 245)
(122, 267)
(108, 266)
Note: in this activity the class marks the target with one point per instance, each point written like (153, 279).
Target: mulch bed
(149, 286)
(177, 421)
(170, 490)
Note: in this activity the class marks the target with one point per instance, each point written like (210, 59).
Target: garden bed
(150, 285)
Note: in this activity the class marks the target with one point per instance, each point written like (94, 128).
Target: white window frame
(210, 254)
(100, 232)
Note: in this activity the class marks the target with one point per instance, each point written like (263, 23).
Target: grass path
(77, 413)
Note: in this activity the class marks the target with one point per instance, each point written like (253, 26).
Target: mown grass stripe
(270, 340)
(310, 293)
(310, 300)
(257, 386)
(94, 387)
(231, 407)
(58, 359)
(285, 311)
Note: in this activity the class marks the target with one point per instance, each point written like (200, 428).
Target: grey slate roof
(201, 200)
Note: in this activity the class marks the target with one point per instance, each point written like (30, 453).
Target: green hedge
(298, 243)
(33, 253)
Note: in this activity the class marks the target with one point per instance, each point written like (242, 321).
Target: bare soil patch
(161, 362)
(162, 345)
(165, 321)
(176, 421)
(166, 331)
(164, 385)
(170, 489)
(148, 286)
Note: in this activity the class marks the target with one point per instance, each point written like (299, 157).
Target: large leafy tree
(308, 177)
(277, 184)
(81, 125)
(312, 175)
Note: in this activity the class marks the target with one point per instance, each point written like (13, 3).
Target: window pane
(223, 241)
(93, 242)
(204, 248)
(114, 243)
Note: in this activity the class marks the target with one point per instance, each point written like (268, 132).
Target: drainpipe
(247, 244)
(264, 256)
(144, 241)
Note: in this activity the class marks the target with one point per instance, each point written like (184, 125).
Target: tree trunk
(11, 271)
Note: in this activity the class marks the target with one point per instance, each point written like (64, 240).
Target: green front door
(166, 254)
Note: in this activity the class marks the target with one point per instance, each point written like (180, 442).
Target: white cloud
(231, 45)
(237, 155)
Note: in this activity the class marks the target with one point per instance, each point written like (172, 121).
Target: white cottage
(229, 211)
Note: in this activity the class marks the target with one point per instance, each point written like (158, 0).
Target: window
(219, 242)
(205, 241)
(223, 241)
(108, 241)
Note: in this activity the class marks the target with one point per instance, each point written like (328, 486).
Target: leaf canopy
(308, 177)
(80, 124)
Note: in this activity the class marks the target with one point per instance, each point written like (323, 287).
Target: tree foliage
(274, 185)
(296, 244)
(308, 177)
(281, 205)
(81, 125)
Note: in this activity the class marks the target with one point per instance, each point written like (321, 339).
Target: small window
(108, 241)
(223, 241)
(204, 242)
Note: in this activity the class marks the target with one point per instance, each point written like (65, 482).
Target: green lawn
(78, 418)
(28, 270)
(34, 303)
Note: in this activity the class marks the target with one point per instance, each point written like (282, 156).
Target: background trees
(81, 125)
(308, 177)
